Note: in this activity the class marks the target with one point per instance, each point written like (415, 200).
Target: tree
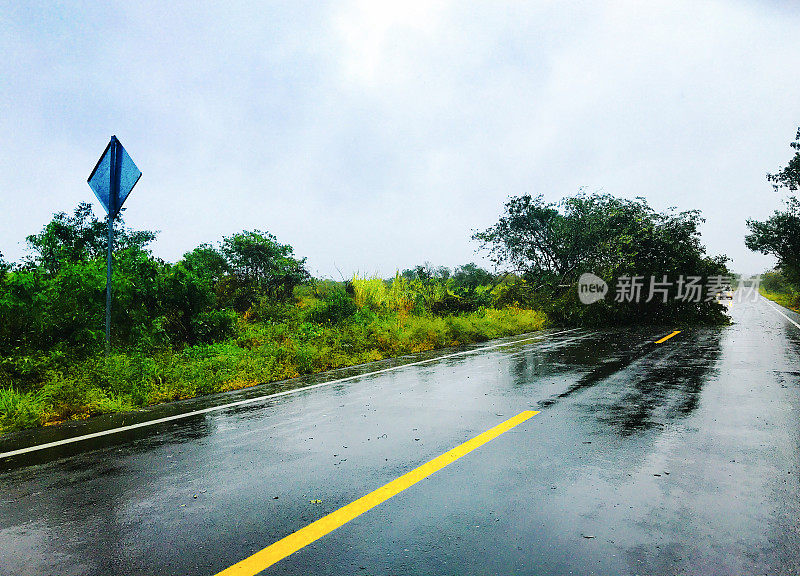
(261, 264)
(550, 245)
(56, 298)
(470, 276)
(524, 238)
(80, 237)
(779, 235)
(789, 176)
(426, 272)
(207, 263)
(55, 301)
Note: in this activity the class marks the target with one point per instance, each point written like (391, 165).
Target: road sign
(112, 180)
(114, 177)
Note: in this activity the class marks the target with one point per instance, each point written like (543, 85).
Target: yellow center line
(316, 530)
(667, 337)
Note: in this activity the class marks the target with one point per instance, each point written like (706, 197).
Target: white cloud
(376, 135)
(383, 40)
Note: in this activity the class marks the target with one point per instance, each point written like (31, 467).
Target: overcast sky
(375, 136)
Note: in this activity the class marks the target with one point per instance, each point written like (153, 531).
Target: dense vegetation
(551, 245)
(224, 317)
(246, 311)
(775, 286)
(779, 235)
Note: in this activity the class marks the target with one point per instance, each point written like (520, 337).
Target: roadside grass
(21, 409)
(790, 299)
(55, 388)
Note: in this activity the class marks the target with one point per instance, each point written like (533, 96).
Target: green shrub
(21, 409)
(220, 319)
(335, 306)
(370, 293)
(776, 287)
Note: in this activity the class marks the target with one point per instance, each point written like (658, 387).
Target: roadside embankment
(261, 352)
(790, 300)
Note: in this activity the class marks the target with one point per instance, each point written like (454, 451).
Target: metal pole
(112, 201)
(108, 282)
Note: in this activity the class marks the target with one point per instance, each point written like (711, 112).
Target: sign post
(112, 180)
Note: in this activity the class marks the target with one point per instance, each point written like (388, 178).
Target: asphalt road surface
(672, 458)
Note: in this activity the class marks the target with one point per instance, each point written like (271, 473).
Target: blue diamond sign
(114, 177)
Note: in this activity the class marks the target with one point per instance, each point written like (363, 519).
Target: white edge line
(260, 398)
(771, 305)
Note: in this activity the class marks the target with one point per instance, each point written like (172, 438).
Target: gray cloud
(373, 136)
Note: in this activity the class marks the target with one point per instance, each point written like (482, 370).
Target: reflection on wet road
(680, 457)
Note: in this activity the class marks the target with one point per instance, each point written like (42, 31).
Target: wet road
(673, 458)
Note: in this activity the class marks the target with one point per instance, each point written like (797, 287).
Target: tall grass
(377, 295)
(262, 352)
(21, 409)
(790, 300)
(776, 287)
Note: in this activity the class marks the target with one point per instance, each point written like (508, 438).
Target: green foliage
(381, 296)
(788, 177)
(66, 389)
(259, 264)
(779, 235)
(425, 289)
(207, 264)
(21, 409)
(787, 300)
(333, 305)
(470, 288)
(221, 318)
(777, 287)
(775, 281)
(57, 300)
(79, 238)
(549, 246)
(471, 276)
(426, 273)
(527, 238)
(41, 311)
